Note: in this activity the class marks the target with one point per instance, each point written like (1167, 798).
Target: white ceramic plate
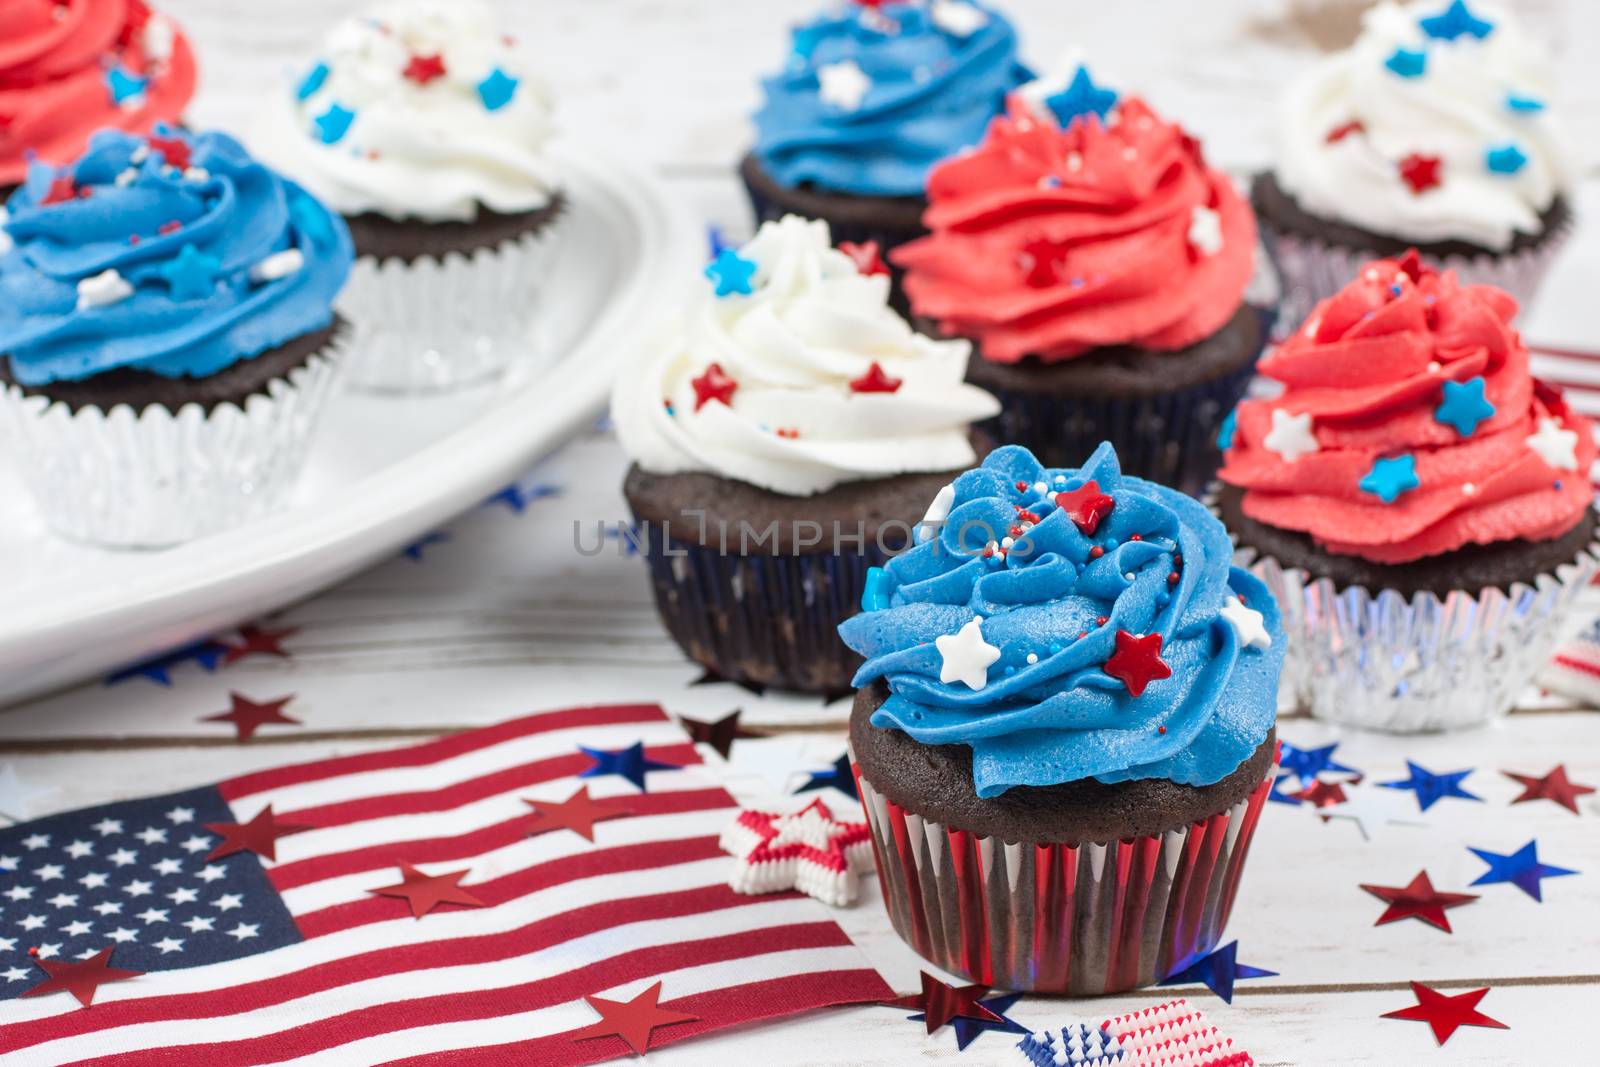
(383, 472)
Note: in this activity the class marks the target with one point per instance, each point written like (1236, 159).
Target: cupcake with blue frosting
(870, 98)
(1064, 727)
(167, 335)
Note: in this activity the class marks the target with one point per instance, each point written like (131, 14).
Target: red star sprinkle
(1086, 506)
(424, 892)
(713, 385)
(1418, 900)
(1339, 133)
(876, 380)
(256, 641)
(81, 978)
(1320, 794)
(940, 1003)
(1553, 786)
(174, 150)
(248, 716)
(866, 255)
(424, 69)
(1420, 172)
(259, 835)
(62, 188)
(1039, 259)
(1444, 1014)
(577, 813)
(1137, 661)
(632, 1020)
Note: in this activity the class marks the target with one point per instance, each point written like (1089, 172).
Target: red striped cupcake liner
(1083, 920)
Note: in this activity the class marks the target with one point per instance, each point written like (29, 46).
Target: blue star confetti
(1310, 762)
(1277, 796)
(516, 498)
(315, 78)
(732, 273)
(1081, 97)
(1432, 788)
(208, 654)
(1407, 63)
(333, 123)
(630, 763)
(415, 550)
(1217, 971)
(1230, 426)
(124, 85)
(497, 89)
(836, 777)
(1454, 21)
(1505, 159)
(1464, 406)
(967, 1030)
(1390, 477)
(1521, 868)
(192, 274)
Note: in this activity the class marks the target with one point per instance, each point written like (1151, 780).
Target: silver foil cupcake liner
(1382, 661)
(1083, 920)
(436, 324)
(158, 478)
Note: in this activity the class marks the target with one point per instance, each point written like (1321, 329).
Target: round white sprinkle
(1006, 542)
(1040, 487)
(1074, 161)
(1033, 657)
(1469, 489)
(1433, 366)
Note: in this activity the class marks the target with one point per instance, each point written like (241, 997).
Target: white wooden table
(504, 616)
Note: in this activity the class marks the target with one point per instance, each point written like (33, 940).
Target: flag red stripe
(433, 751)
(1578, 665)
(473, 844)
(645, 962)
(547, 931)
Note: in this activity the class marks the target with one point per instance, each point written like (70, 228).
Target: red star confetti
(1418, 900)
(866, 255)
(632, 1020)
(248, 716)
(424, 892)
(1420, 172)
(81, 978)
(258, 641)
(1553, 786)
(62, 189)
(577, 813)
(174, 150)
(713, 385)
(424, 69)
(260, 835)
(1320, 794)
(1445, 1014)
(808, 850)
(720, 734)
(1086, 506)
(1340, 132)
(876, 380)
(1137, 661)
(940, 1003)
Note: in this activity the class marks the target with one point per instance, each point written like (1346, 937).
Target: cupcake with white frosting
(1436, 130)
(421, 124)
(786, 438)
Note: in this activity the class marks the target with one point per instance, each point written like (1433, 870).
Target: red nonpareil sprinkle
(1015, 531)
(1173, 578)
(1135, 537)
(169, 227)
(788, 433)
(1082, 634)
(1177, 559)
(1161, 729)
(33, 950)
(1101, 620)
(1024, 515)
(1022, 487)
(133, 238)
(1096, 552)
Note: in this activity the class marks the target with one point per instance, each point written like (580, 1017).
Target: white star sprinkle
(958, 19)
(1205, 231)
(844, 85)
(102, 290)
(1290, 436)
(1556, 446)
(1247, 624)
(278, 265)
(966, 655)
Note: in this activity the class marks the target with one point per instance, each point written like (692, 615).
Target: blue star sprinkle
(1218, 971)
(333, 124)
(1505, 159)
(497, 89)
(1453, 21)
(1522, 869)
(836, 777)
(315, 78)
(124, 85)
(415, 550)
(1230, 426)
(517, 498)
(1081, 97)
(967, 1030)
(732, 273)
(630, 763)
(1464, 406)
(1432, 788)
(208, 654)
(1310, 762)
(1407, 63)
(1527, 105)
(1390, 477)
(192, 274)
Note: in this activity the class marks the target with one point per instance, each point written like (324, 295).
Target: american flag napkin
(405, 907)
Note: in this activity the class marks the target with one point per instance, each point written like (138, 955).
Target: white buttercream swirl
(1459, 109)
(428, 149)
(793, 424)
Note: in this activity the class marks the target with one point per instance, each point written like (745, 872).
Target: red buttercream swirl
(1369, 367)
(1051, 242)
(55, 59)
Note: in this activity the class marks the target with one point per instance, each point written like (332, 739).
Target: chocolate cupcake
(872, 95)
(1434, 130)
(1063, 747)
(166, 336)
(420, 123)
(1099, 267)
(784, 440)
(1419, 505)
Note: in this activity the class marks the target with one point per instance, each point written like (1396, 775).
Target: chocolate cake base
(1470, 568)
(935, 782)
(408, 240)
(889, 220)
(140, 389)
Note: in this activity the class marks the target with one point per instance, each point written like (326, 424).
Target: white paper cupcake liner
(158, 478)
(1383, 661)
(435, 324)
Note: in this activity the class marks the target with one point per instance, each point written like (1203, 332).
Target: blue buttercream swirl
(201, 280)
(1062, 717)
(932, 93)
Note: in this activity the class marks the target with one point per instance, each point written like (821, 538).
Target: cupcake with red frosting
(1099, 267)
(1418, 503)
(67, 70)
